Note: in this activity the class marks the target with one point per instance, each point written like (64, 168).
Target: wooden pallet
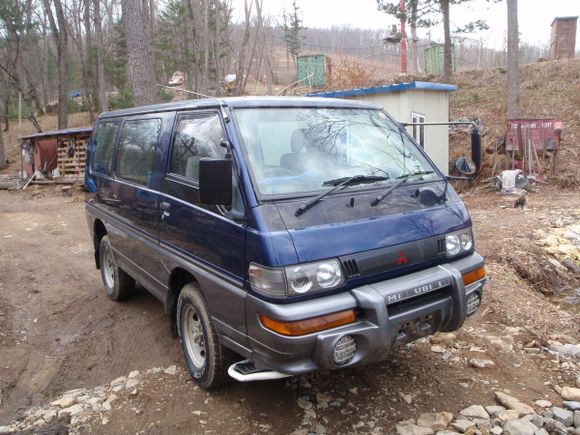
(72, 167)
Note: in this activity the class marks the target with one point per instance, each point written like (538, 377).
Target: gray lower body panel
(389, 313)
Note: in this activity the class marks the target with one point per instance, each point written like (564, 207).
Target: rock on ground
(570, 393)
(435, 421)
(513, 403)
(413, 429)
(519, 427)
(563, 416)
(475, 411)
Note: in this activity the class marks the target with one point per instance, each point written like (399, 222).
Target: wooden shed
(563, 41)
(55, 154)
(414, 102)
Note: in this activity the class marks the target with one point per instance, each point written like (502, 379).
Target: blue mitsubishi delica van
(283, 235)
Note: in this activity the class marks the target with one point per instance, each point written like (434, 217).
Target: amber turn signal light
(308, 326)
(474, 275)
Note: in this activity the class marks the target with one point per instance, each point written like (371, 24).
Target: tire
(206, 360)
(118, 284)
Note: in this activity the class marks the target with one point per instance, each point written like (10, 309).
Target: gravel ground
(71, 360)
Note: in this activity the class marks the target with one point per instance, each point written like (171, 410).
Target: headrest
(298, 141)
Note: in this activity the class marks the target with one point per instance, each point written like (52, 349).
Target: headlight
(466, 241)
(452, 244)
(328, 275)
(296, 280)
(458, 242)
(311, 277)
(300, 282)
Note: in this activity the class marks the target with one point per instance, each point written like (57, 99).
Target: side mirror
(465, 166)
(215, 181)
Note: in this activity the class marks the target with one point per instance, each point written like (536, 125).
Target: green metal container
(435, 58)
(317, 65)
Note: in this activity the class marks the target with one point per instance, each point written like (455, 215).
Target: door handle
(165, 207)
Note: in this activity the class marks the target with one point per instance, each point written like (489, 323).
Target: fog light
(473, 302)
(344, 350)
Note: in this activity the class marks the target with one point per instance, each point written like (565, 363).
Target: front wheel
(206, 360)
(118, 284)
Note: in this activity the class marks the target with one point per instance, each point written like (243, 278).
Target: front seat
(295, 160)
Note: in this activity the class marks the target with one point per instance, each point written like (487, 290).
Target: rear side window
(195, 138)
(136, 151)
(104, 144)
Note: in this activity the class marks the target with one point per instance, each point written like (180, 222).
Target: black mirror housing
(215, 182)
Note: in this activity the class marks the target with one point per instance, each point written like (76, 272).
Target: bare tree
(101, 97)
(141, 71)
(447, 60)
(513, 62)
(60, 36)
(241, 60)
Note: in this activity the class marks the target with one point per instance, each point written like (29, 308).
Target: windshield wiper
(338, 183)
(402, 180)
(359, 179)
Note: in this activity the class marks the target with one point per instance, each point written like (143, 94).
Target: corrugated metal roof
(65, 132)
(383, 89)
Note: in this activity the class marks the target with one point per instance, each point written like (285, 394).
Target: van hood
(345, 224)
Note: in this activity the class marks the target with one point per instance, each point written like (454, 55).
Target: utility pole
(513, 62)
(403, 38)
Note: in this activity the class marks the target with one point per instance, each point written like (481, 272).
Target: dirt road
(58, 331)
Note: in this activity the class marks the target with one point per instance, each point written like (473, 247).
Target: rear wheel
(118, 284)
(206, 360)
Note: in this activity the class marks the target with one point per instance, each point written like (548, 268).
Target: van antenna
(199, 94)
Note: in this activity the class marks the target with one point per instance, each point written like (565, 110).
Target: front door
(205, 236)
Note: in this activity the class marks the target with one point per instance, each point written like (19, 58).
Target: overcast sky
(535, 16)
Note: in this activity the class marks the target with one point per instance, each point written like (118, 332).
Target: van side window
(104, 140)
(137, 149)
(195, 138)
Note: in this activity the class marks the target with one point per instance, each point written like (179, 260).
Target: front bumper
(389, 313)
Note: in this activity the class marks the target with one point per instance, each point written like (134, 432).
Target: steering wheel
(276, 172)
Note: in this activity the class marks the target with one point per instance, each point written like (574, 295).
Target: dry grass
(548, 89)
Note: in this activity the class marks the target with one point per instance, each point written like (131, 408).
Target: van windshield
(302, 150)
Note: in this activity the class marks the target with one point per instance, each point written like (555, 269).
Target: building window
(418, 130)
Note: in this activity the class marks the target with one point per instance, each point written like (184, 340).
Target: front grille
(440, 246)
(351, 267)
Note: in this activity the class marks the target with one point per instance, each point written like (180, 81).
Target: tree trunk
(89, 59)
(2, 150)
(205, 39)
(60, 36)
(140, 67)
(414, 38)
(513, 62)
(6, 112)
(101, 97)
(447, 64)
